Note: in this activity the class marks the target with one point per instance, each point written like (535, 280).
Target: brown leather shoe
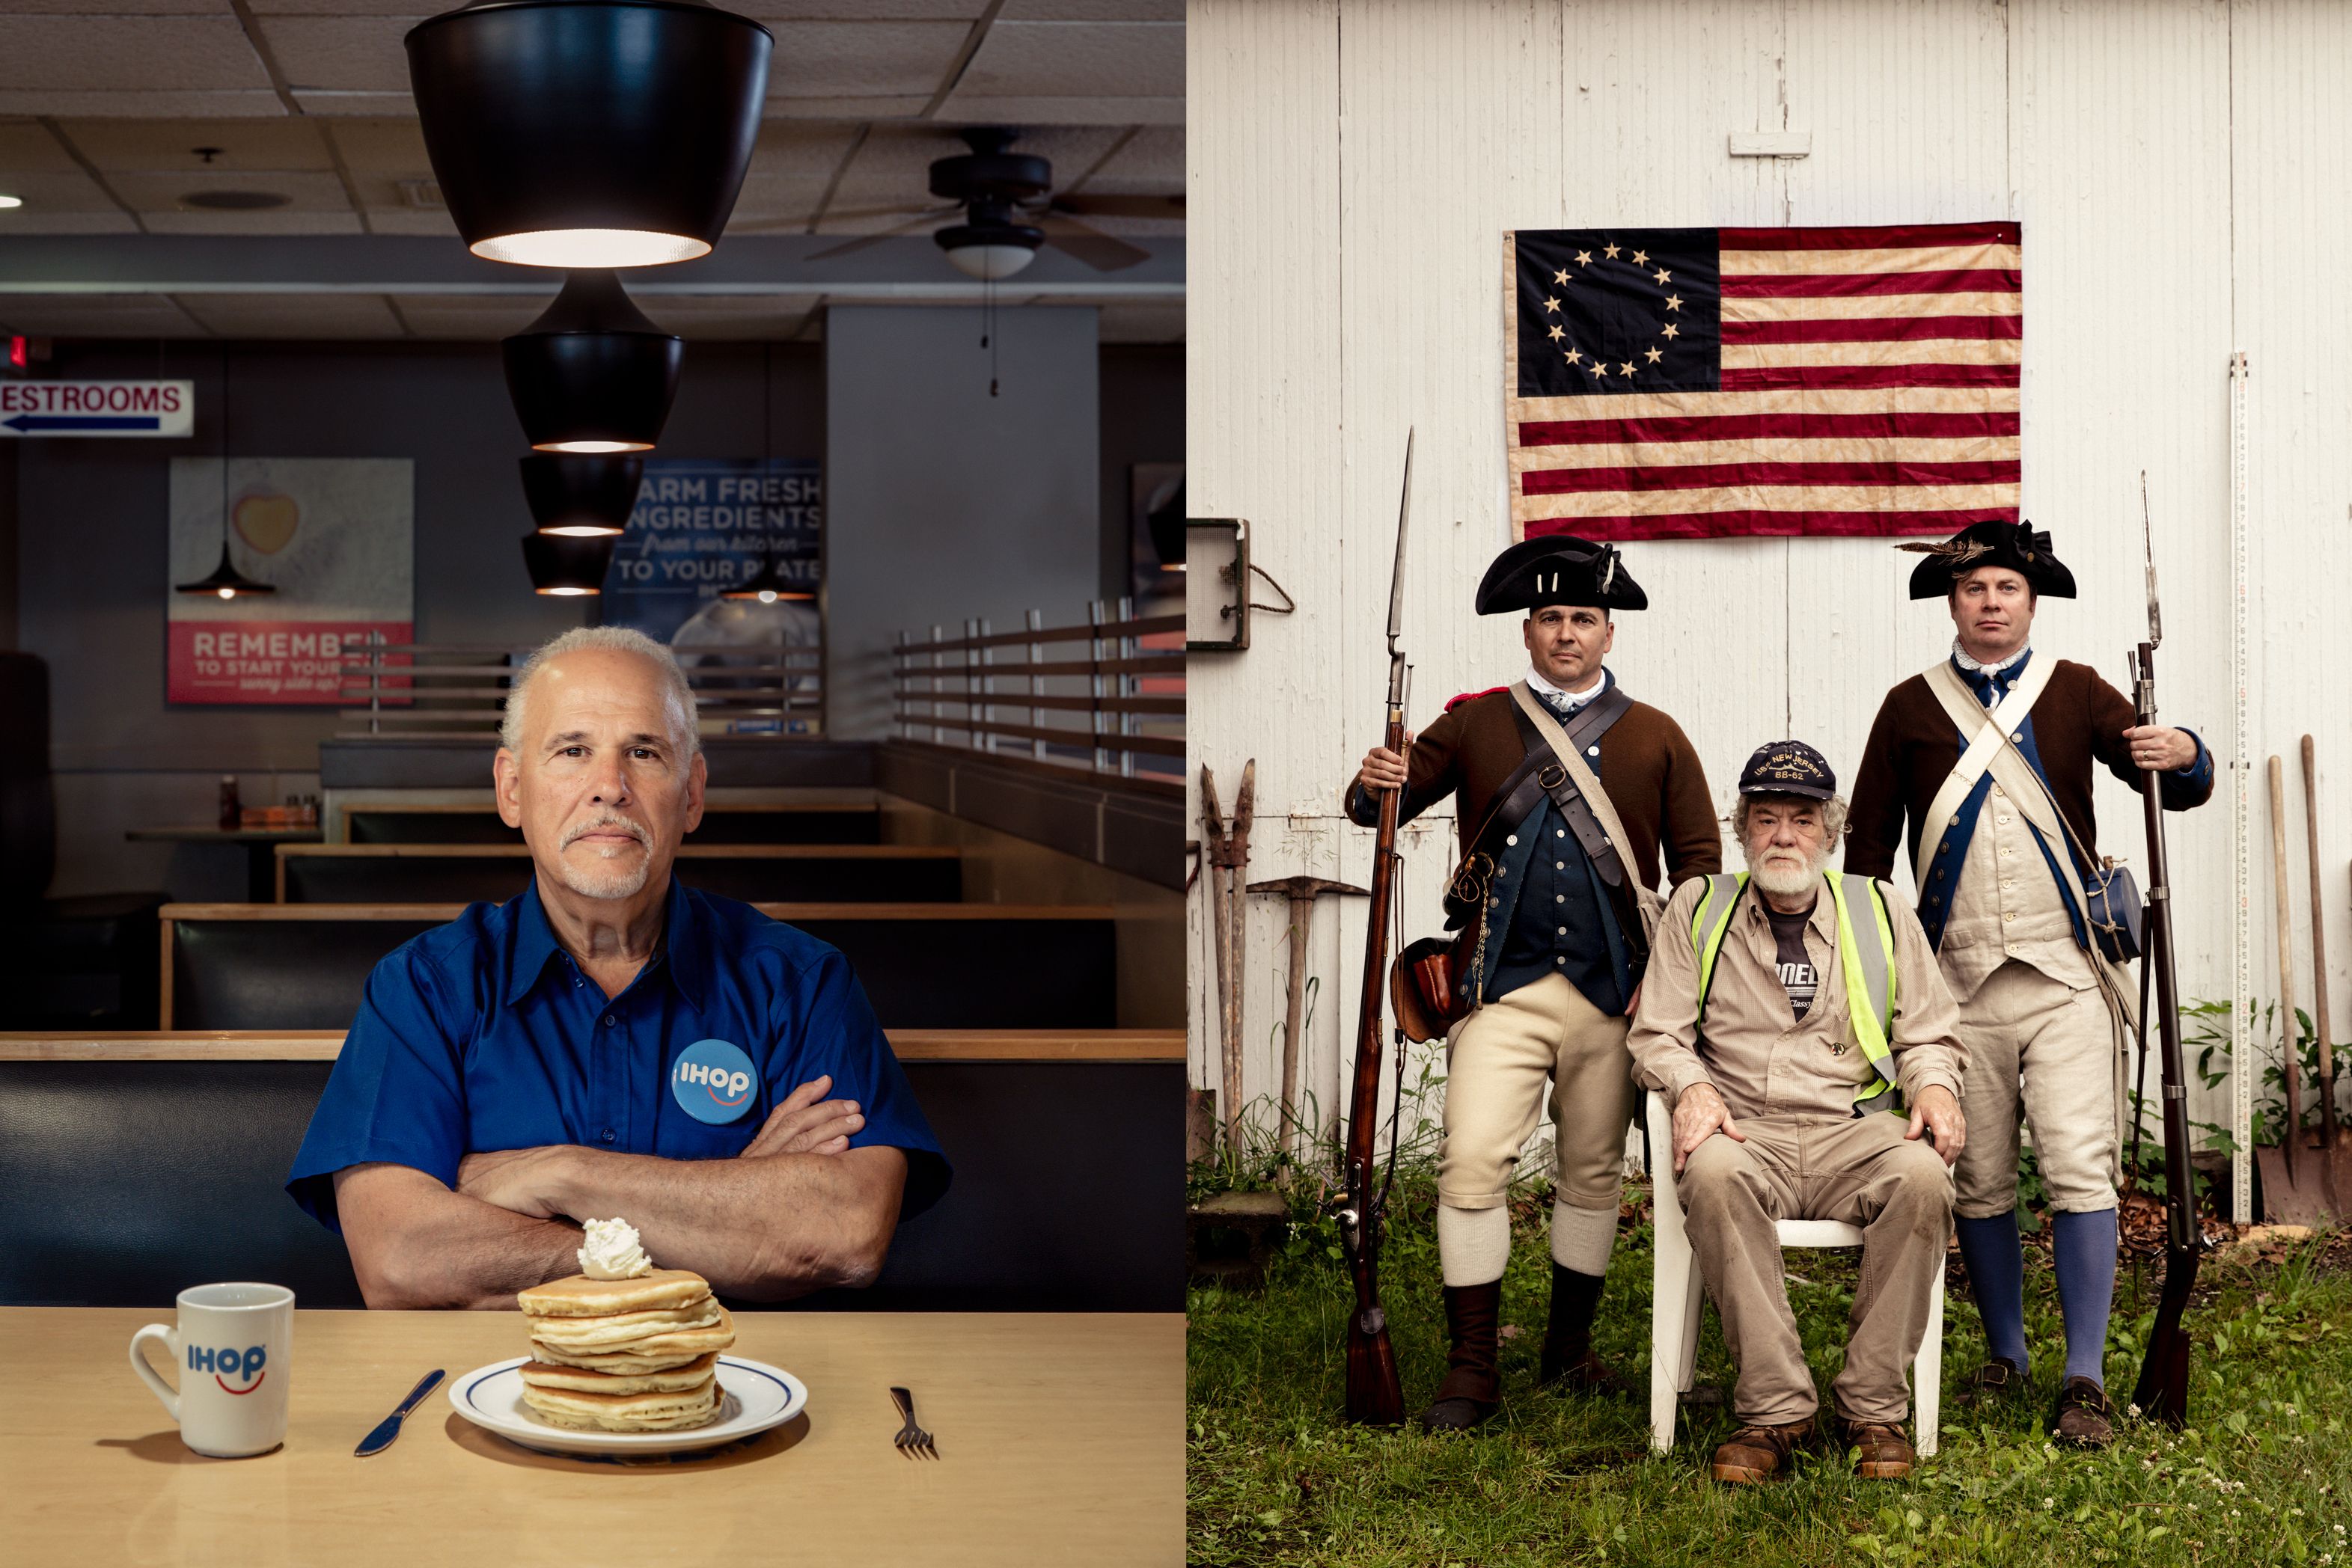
(2081, 1419)
(1756, 1453)
(2000, 1378)
(1882, 1453)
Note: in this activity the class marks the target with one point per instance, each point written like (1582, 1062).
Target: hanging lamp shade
(226, 582)
(581, 497)
(589, 132)
(566, 568)
(592, 374)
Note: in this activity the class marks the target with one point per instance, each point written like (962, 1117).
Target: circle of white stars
(1626, 369)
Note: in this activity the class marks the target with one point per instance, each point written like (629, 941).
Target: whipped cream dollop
(611, 1251)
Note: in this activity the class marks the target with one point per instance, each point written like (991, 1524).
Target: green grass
(1275, 1476)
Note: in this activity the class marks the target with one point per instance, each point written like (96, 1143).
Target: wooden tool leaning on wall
(1228, 859)
(1301, 891)
(2302, 1181)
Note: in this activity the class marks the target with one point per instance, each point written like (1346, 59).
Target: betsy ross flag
(1696, 384)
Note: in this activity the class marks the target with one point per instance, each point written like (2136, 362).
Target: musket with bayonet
(1375, 1396)
(2162, 1393)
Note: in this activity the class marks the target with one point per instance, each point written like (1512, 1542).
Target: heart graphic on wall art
(267, 521)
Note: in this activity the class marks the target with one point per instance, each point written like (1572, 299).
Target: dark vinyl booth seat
(129, 1180)
(235, 966)
(454, 874)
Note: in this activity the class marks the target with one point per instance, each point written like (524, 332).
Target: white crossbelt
(1983, 748)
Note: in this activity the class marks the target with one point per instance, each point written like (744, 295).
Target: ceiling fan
(1009, 210)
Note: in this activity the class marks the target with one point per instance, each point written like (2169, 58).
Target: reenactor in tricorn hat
(1787, 1008)
(2011, 891)
(1565, 789)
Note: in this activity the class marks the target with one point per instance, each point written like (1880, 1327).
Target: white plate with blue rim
(753, 1399)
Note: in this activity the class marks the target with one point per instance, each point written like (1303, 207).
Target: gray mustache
(620, 824)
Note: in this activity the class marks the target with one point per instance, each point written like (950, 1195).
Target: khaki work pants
(1497, 1063)
(1857, 1169)
(2022, 1024)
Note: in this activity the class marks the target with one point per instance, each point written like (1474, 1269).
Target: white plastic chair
(1676, 1301)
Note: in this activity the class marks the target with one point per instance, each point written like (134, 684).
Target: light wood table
(1061, 1437)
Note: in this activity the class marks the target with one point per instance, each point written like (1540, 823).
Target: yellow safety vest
(1869, 971)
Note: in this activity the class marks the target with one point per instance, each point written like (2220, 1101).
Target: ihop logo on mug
(245, 1365)
(713, 1081)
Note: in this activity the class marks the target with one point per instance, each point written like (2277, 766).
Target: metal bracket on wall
(1218, 578)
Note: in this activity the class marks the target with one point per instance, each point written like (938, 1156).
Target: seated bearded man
(1781, 1014)
(546, 1060)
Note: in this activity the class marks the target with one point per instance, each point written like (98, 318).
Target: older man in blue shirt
(610, 1043)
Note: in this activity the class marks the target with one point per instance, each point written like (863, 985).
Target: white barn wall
(1353, 169)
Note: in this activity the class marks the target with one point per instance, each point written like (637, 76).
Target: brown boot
(1756, 1453)
(1473, 1388)
(2081, 1419)
(1882, 1453)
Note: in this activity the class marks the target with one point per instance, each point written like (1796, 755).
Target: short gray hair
(1833, 814)
(612, 639)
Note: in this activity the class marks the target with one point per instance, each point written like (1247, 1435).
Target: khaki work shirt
(1763, 1060)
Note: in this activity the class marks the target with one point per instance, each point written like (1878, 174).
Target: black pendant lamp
(589, 134)
(592, 374)
(766, 585)
(565, 568)
(581, 497)
(226, 582)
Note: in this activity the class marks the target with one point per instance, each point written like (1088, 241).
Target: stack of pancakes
(625, 1355)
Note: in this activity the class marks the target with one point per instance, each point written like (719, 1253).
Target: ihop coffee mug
(234, 1346)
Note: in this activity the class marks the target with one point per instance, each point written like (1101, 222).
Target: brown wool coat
(1914, 747)
(1647, 766)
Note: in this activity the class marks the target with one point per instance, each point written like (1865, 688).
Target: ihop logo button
(713, 1081)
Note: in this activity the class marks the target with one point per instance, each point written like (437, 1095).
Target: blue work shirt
(485, 1035)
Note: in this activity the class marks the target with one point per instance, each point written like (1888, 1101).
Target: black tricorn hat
(1559, 568)
(2017, 546)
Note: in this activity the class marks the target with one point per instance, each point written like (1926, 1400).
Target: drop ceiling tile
(95, 315)
(1078, 60)
(1152, 160)
(884, 108)
(471, 317)
(859, 10)
(413, 10)
(154, 54)
(802, 145)
(122, 145)
(27, 147)
(411, 221)
(142, 104)
(394, 148)
(281, 222)
(340, 54)
(862, 59)
(1141, 322)
(1037, 111)
(31, 221)
(326, 317)
(44, 192)
(165, 193)
(114, 8)
(1090, 11)
(372, 105)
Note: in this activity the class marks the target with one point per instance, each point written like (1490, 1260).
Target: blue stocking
(1997, 1275)
(2085, 1248)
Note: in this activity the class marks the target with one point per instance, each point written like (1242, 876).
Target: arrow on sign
(82, 421)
